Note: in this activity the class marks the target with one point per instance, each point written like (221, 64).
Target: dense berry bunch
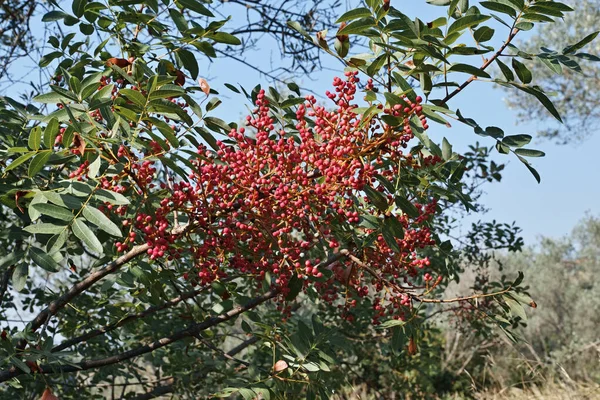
(291, 201)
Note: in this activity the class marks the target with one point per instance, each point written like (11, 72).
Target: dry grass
(552, 391)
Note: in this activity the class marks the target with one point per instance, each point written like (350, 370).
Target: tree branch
(85, 284)
(157, 391)
(148, 348)
(170, 388)
(132, 317)
(486, 64)
(4, 282)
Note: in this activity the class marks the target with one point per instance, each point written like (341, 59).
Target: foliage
(143, 235)
(575, 87)
(557, 355)
(263, 23)
(562, 335)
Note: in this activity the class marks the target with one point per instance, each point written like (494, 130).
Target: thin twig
(486, 64)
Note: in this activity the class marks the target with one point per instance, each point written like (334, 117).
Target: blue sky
(570, 184)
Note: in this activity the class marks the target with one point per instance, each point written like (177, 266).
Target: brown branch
(486, 64)
(132, 317)
(414, 296)
(157, 391)
(459, 299)
(148, 348)
(170, 387)
(85, 284)
(4, 282)
(242, 346)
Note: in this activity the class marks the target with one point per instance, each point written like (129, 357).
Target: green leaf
(208, 137)
(499, 7)
(20, 364)
(54, 16)
(85, 234)
(247, 394)
(310, 367)
(44, 260)
(542, 99)
(533, 171)
(394, 226)
(45, 228)
(492, 131)
(53, 211)
(524, 26)
(439, 2)
(376, 197)
(217, 124)
(48, 58)
(530, 153)
(37, 199)
(469, 69)
(295, 287)
(166, 131)
(407, 89)
(110, 197)
(581, 43)
(505, 70)
(376, 65)
(35, 138)
(224, 37)
(19, 276)
(98, 218)
(51, 98)
(165, 94)
(466, 22)
(354, 14)
(357, 26)
(522, 71)
(517, 140)
(56, 242)
(179, 20)
(189, 62)
(438, 22)
(483, 34)
(298, 27)
(86, 29)
(20, 161)
(292, 102)
(502, 148)
(50, 133)
(94, 168)
(63, 200)
(391, 323)
(516, 309)
(196, 6)
(135, 96)
(11, 259)
(389, 237)
(446, 149)
(212, 104)
(38, 163)
(78, 7)
(406, 206)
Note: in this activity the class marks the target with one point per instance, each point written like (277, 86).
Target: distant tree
(16, 39)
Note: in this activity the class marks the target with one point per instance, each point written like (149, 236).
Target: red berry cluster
(281, 199)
